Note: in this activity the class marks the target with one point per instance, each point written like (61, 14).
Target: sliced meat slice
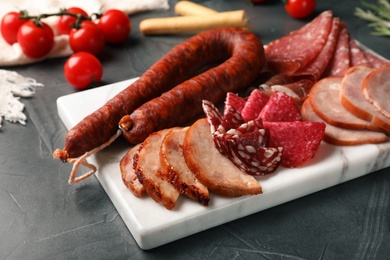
(357, 54)
(316, 68)
(341, 136)
(253, 106)
(147, 165)
(290, 53)
(300, 140)
(280, 108)
(376, 60)
(178, 173)
(353, 99)
(212, 168)
(129, 178)
(340, 60)
(325, 100)
(376, 89)
(235, 101)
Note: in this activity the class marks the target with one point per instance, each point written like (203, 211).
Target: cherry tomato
(35, 40)
(82, 69)
(89, 38)
(10, 25)
(300, 8)
(66, 22)
(115, 25)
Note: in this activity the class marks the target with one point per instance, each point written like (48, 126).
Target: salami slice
(316, 68)
(213, 115)
(357, 54)
(234, 101)
(300, 140)
(280, 108)
(290, 53)
(232, 118)
(340, 60)
(375, 60)
(255, 103)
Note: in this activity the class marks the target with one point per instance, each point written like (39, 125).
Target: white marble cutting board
(152, 225)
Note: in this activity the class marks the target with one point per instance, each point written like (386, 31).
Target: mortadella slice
(342, 136)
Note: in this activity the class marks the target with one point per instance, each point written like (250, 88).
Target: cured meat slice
(325, 100)
(255, 103)
(376, 89)
(342, 136)
(375, 60)
(300, 140)
(147, 165)
(280, 108)
(316, 68)
(176, 169)
(212, 168)
(353, 99)
(357, 54)
(129, 178)
(290, 53)
(213, 115)
(234, 101)
(340, 60)
(232, 118)
(251, 158)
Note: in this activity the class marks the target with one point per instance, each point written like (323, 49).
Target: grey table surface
(43, 217)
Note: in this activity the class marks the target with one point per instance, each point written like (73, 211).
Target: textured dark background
(42, 217)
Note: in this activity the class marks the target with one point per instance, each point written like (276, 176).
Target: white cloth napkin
(13, 55)
(13, 86)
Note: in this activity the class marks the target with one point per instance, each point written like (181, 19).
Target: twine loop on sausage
(82, 160)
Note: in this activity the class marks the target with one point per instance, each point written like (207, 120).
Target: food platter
(153, 225)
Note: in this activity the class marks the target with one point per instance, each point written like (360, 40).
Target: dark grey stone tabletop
(43, 217)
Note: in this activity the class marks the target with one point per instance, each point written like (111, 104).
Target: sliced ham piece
(291, 53)
(325, 100)
(342, 136)
(353, 99)
(147, 165)
(376, 89)
(129, 178)
(212, 168)
(176, 169)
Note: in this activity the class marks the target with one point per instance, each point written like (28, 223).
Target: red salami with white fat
(340, 60)
(300, 140)
(235, 101)
(316, 68)
(357, 54)
(255, 103)
(280, 108)
(290, 53)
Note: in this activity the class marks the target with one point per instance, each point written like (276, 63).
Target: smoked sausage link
(243, 58)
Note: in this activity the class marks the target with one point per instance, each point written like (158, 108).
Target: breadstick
(187, 8)
(182, 24)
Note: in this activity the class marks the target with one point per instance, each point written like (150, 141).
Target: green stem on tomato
(37, 18)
